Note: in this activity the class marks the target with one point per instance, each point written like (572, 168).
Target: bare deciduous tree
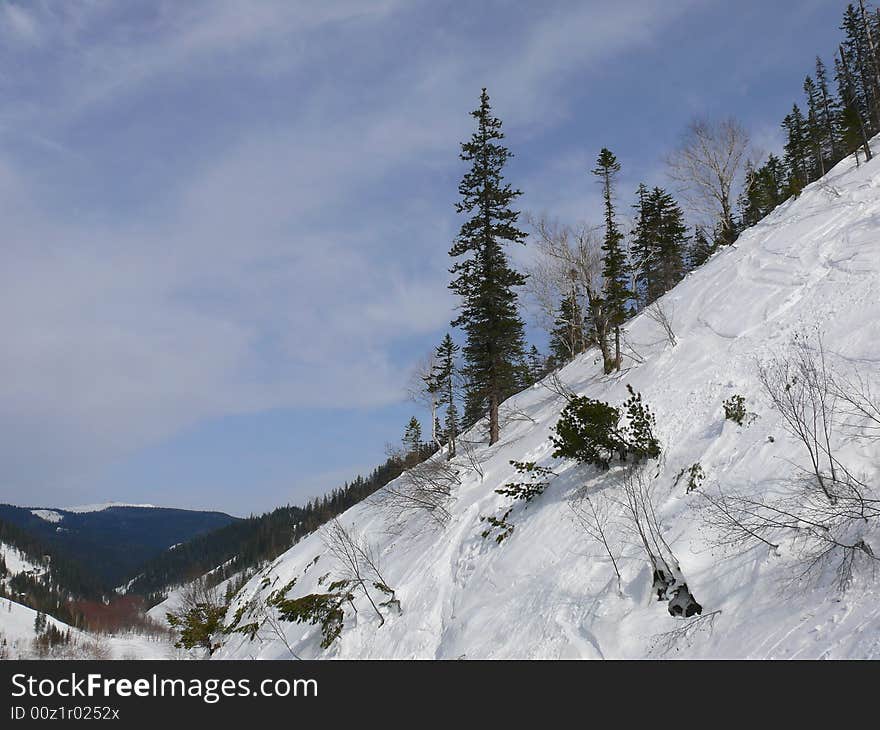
(828, 511)
(425, 487)
(468, 456)
(662, 317)
(569, 263)
(423, 390)
(593, 515)
(359, 566)
(668, 582)
(708, 164)
(663, 644)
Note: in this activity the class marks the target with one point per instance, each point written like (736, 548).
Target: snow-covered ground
(17, 562)
(548, 590)
(17, 639)
(105, 505)
(17, 627)
(49, 515)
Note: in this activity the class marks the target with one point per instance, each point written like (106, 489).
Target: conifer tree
(796, 150)
(537, 365)
(660, 241)
(829, 114)
(444, 377)
(567, 337)
(616, 293)
(412, 437)
(861, 66)
(485, 280)
(701, 249)
(814, 127)
(641, 249)
(671, 236)
(854, 126)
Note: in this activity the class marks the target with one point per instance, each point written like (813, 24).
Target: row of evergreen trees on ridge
(830, 126)
(660, 252)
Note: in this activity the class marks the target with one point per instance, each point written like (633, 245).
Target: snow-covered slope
(17, 639)
(548, 590)
(17, 562)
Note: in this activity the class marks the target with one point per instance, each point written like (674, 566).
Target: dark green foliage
(276, 596)
(828, 116)
(536, 485)
(197, 624)
(500, 526)
(40, 622)
(319, 608)
(858, 63)
(442, 379)
(591, 432)
(832, 127)
(764, 189)
(639, 432)
(538, 366)
(797, 151)
(483, 277)
(659, 243)
(695, 477)
(62, 582)
(701, 249)
(615, 270)
(412, 437)
(735, 409)
(588, 430)
(49, 636)
(109, 546)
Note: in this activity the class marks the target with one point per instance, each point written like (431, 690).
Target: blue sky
(226, 223)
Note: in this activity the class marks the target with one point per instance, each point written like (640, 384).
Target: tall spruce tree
(485, 280)
(829, 115)
(797, 150)
(615, 269)
(815, 132)
(854, 124)
(642, 257)
(660, 242)
(671, 238)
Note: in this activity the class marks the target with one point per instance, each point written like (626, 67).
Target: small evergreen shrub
(501, 527)
(735, 409)
(527, 491)
(695, 477)
(319, 608)
(591, 432)
(588, 431)
(197, 624)
(639, 432)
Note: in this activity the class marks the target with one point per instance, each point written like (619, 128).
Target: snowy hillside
(17, 562)
(17, 639)
(549, 590)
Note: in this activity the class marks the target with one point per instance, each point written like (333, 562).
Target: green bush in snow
(592, 432)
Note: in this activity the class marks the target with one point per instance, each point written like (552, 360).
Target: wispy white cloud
(281, 267)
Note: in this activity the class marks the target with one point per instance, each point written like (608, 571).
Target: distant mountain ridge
(113, 539)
